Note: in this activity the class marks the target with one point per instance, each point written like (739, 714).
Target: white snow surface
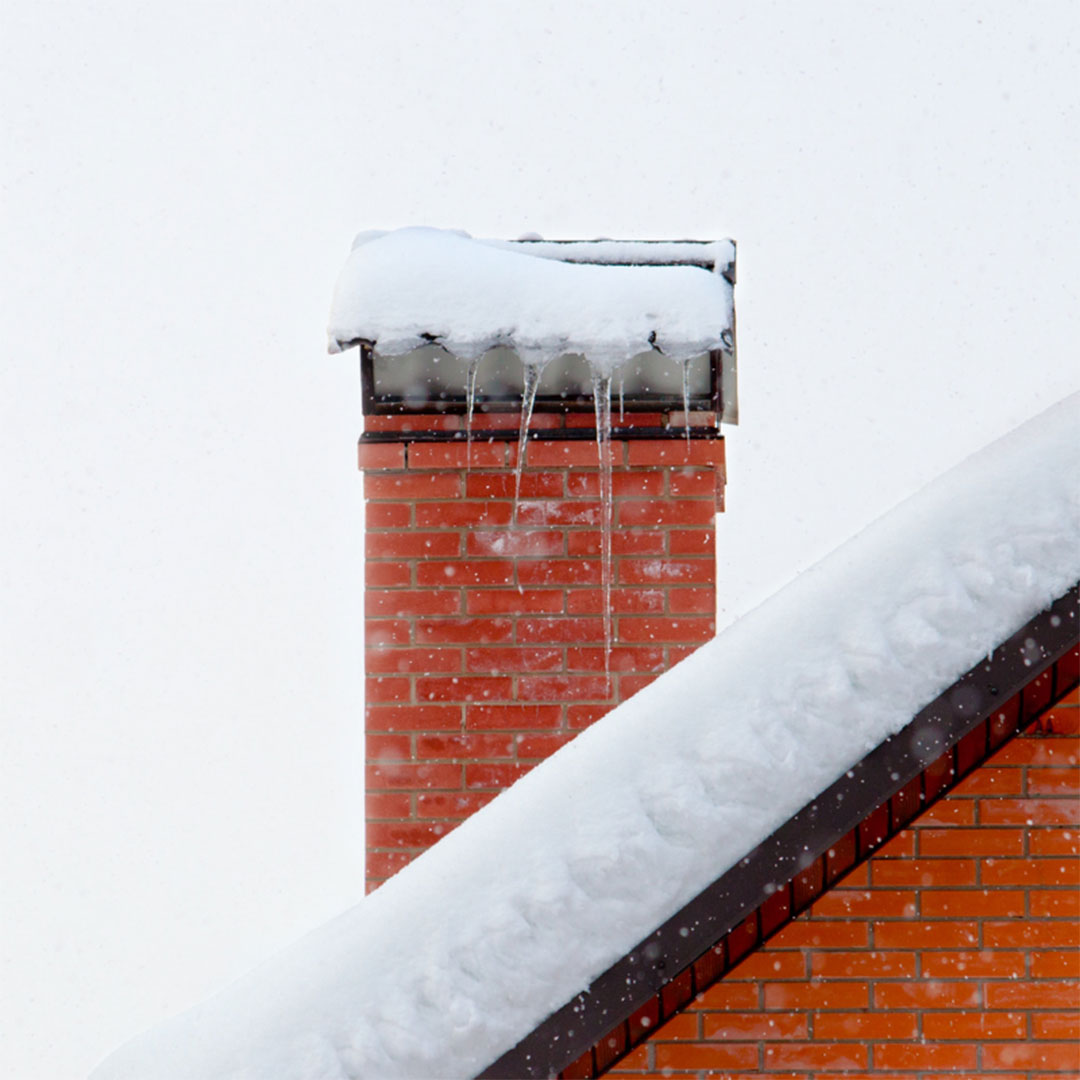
(457, 957)
(401, 289)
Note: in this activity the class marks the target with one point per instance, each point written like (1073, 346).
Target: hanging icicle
(533, 369)
(601, 384)
(470, 404)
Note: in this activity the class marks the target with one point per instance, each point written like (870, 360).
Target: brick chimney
(485, 635)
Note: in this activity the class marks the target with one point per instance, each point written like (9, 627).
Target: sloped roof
(455, 960)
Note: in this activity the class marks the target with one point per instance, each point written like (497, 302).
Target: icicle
(533, 371)
(686, 400)
(602, 405)
(622, 383)
(470, 402)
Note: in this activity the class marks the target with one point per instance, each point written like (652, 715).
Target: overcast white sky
(181, 539)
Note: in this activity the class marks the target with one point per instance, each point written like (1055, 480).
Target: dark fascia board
(635, 979)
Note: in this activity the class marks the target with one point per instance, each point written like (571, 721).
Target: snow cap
(405, 289)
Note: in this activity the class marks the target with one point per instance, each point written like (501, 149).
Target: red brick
(411, 545)
(419, 422)
(1062, 1025)
(631, 684)
(413, 776)
(1054, 842)
(500, 485)
(404, 834)
(692, 601)
(399, 602)
(507, 659)
(803, 934)
(513, 717)
(669, 571)
(816, 994)
(1012, 994)
(416, 486)
(1030, 872)
(770, 964)
(388, 515)
(866, 904)
(1054, 904)
(387, 804)
(1037, 751)
(470, 688)
(559, 631)
(451, 804)
(1044, 1056)
(682, 1026)
(705, 1055)
(492, 774)
(926, 935)
(725, 996)
(965, 903)
(559, 511)
(463, 573)
(972, 964)
(928, 1056)
(677, 629)
(865, 1025)
(941, 842)
(931, 994)
(540, 572)
(462, 514)
(563, 688)
(691, 482)
(512, 602)
(1061, 721)
(1028, 933)
(464, 631)
(623, 542)
(383, 864)
(862, 965)
(373, 455)
(411, 661)
(625, 483)
(675, 452)
(951, 812)
(973, 1026)
(517, 542)
(1056, 965)
(990, 781)
(558, 454)
(381, 689)
(413, 717)
(457, 455)
(1054, 781)
(815, 1055)
(540, 746)
(387, 748)
(379, 632)
(472, 745)
(633, 658)
(699, 542)
(926, 873)
(1030, 811)
(678, 512)
(623, 601)
(387, 575)
(743, 1026)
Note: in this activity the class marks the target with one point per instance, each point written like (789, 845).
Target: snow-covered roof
(453, 960)
(606, 300)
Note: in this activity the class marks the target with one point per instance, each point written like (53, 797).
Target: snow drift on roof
(403, 289)
(454, 960)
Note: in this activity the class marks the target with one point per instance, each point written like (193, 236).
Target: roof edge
(741, 892)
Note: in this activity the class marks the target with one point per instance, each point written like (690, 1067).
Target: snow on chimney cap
(608, 300)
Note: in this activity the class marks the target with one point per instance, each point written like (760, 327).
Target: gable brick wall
(953, 951)
(484, 638)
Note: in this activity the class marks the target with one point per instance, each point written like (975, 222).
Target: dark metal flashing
(583, 434)
(788, 871)
(374, 404)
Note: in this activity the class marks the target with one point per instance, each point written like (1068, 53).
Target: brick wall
(485, 641)
(953, 950)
